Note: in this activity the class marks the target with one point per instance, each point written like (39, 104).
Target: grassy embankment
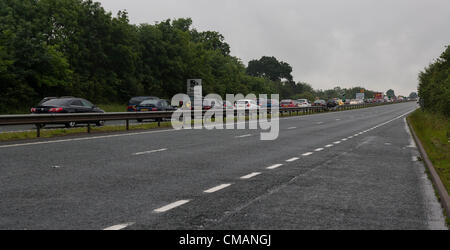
(433, 131)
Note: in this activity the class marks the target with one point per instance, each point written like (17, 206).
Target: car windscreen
(149, 102)
(56, 102)
(137, 100)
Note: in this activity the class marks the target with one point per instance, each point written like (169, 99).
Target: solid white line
(171, 206)
(242, 136)
(292, 159)
(412, 143)
(337, 142)
(329, 146)
(119, 226)
(250, 175)
(152, 151)
(306, 154)
(318, 149)
(217, 188)
(274, 166)
(84, 138)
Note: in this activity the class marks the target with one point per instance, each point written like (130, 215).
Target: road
(355, 169)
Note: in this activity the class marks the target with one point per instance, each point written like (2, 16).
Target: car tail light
(132, 107)
(55, 110)
(154, 109)
(248, 104)
(33, 110)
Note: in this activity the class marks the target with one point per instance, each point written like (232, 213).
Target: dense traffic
(69, 104)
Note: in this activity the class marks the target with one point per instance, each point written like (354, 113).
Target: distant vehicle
(134, 101)
(348, 101)
(332, 103)
(356, 101)
(288, 103)
(303, 103)
(267, 103)
(320, 103)
(66, 105)
(246, 104)
(340, 102)
(228, 105)
(153, 105)
(212, 104)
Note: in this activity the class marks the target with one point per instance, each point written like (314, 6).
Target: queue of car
(69, 104)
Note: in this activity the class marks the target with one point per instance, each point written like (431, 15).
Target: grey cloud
(378, 44)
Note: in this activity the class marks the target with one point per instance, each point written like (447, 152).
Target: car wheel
(70, 125)
(100, 123)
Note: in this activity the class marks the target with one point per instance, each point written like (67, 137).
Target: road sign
(360, 96)
(191, 83)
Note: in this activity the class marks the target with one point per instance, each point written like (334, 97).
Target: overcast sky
(377, 44)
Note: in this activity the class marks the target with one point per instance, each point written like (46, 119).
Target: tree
(390, 93)
(413, 95)
(270, 68)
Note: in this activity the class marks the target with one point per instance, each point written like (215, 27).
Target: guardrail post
(89, 128)
(127, 124)
(38, 130)
(159, 122)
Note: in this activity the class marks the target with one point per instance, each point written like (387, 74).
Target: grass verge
(433, 131)
(115, 107)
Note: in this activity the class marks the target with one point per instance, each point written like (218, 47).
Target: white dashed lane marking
(292, 128)
(292, 159)
(306, 154)
(250, 175)
(318, 149)
(150, 152)
(329, 146)
(119, 226)
(275, 166)
(171, 206)
(217, 188)
(337, 142)
(242, 136)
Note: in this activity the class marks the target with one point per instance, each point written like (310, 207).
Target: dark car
(134, 101)
(66, 105)
(319, 103)
(153, 105)
(332, 103)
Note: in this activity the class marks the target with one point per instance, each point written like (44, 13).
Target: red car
(288, 103)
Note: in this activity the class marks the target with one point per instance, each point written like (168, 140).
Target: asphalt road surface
(355, 169)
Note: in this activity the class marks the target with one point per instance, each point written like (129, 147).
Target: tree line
(434, 85)
(76, 48)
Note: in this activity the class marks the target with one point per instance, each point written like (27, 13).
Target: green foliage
(433, 131)
(413, 95)
(390, 93)
(75, 47)
(270, 68)
(434, 85)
